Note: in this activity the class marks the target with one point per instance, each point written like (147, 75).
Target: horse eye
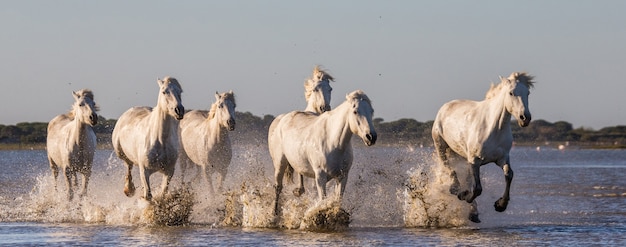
(354, 112)
(511, 93)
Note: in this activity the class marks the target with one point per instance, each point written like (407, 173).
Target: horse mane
(358, 95)
(83, 93)
(227, 96)
(521, 77)
(173, 80)
(318, 75)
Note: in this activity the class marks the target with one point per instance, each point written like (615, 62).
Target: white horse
(205, 141)
(480, 132)
(71, 141)
(319, 145)
(317, 91)
(148, 137)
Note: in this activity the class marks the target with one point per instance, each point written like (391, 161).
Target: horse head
(360, 118)
(224, 109)
(85, 107)
(518, 87)
(169, 97)
(317, 91)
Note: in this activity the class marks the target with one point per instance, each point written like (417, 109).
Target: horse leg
(279, 172)
(167, 177)
(473, 215)
(129, 186)
(300, 190)
(341, 187)
(501, 204)
(478, 189)
(320, 181)
(441, 149)
(145, 181)
(55, 172)
(86, 175)
(207, 177)
(68, 180)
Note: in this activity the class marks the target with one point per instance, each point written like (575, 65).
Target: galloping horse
(317, 91)
(71, 141)
(204, 138)
(319, 145)
(148, 137)
(480, 132)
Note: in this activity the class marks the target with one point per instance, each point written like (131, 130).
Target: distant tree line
(253, 129)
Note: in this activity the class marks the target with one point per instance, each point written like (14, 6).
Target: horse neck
(498, 117)
(214, 130)
(337, 126)
(310, 107)
(78, 131)
(161, 126)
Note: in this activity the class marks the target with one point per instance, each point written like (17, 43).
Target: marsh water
(558, 197)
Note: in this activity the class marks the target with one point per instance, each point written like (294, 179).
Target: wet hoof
(474, 217)
(501, 204)
(129, 189)
(298, 191)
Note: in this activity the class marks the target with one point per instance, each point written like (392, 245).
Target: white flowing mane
(521, 77)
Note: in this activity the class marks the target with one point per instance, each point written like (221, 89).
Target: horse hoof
(474, 218)
(298, 192)
(501, 205)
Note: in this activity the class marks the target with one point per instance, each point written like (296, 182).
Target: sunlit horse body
(148, 137)
(205, 141)
(480, 132)
(319, 145)
(71, 141)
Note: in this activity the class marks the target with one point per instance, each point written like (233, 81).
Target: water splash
(428, 202)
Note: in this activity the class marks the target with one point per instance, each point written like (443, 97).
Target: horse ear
(76, 96)
(159, 81)
(217, 95)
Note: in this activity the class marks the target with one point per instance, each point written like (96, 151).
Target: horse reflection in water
(71, 141)
(148, 137)
(480, 132)
(205, 141)
(320, 146)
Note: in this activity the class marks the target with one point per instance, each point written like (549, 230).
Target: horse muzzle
(370, 139)
(524, 120)
(179, 111)
(324, 108)
(231, 124)
(93, 119)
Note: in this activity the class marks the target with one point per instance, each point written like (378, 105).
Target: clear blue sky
(410, 57)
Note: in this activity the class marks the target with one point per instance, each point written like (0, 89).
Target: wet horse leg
(86, 174)
(279, 172)
(501, 204)
(129, 186)
(167, 177)
(145, 181)
(206, 173)
(442, 149)
(467, 195)
(300, 190)
(320, 182)
(68, 180)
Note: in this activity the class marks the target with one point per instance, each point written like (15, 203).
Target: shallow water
(557, 198)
